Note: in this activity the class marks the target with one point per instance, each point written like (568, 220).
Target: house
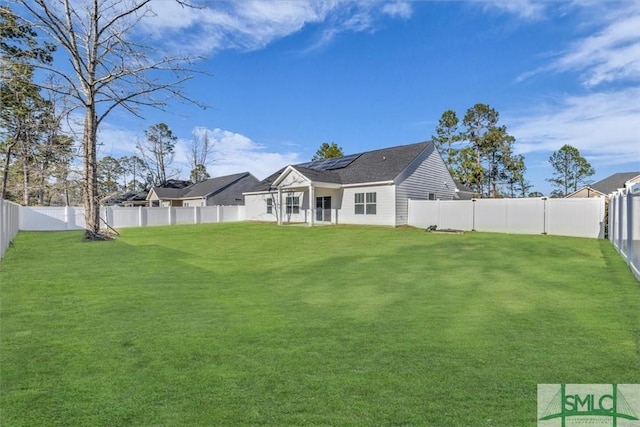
(366, 188)
(136, 199)
(221, 191)
(607, 186)
(128, 199)
(464, 192)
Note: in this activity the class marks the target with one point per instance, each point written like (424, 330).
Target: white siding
(427, 174)
(255, 207)
(385, 206)
(293, 179)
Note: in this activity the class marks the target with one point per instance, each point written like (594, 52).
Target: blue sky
(287, 76)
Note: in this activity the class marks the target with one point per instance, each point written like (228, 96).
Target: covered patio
(302, 199)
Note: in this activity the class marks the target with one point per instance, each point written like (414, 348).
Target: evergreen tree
(570, 170)
(328, 151)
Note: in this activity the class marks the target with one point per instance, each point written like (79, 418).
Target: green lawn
(236, 324)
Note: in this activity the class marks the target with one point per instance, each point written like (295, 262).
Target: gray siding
(427, 174)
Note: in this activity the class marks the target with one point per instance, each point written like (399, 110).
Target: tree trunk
(92, 211)
(5, 172)
(25, 180)
(26, 172)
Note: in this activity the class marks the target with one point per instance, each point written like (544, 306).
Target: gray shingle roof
(613, 182)
(200, 189)
(168, 193)
(371, 166)
(320, 176)
(210, 186)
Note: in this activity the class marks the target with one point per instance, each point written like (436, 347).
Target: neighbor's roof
(613, 182)
(371, 166)
(199, 189)
(464, 192)
(211, 186)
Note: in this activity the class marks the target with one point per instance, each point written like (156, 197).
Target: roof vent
(384, 157)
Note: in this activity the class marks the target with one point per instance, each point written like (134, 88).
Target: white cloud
(253, 24)
(115, 141)
(610, 53)
(602, 119)
(603, 126)
(525, 9)
(234, 152)
(401, 9)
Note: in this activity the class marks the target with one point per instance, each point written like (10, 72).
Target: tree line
(479, 153)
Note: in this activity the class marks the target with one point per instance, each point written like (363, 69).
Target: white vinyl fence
(9, 223)
(51, 218)
(72, 218)
(560, 217)
(624, 225)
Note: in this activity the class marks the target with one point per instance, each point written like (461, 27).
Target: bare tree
(111, 69)
(157, 152)
(200, 155)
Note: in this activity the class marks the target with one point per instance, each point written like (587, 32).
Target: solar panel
(331, 164)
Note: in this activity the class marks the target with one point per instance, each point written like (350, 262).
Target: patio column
(279, 207)
(311, 205)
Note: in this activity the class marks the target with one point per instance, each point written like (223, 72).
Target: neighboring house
(607, 186)
(367, 188)
(221, 191)
(463, 192)
(168, 194)
(136, 199)
(128, 199)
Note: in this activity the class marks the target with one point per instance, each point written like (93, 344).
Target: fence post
(67, 217)
(629, 248)
(170, 219)
(473, 214)
(610, 218)
(218, 211)
(544, 215)
(4, 227)
(196, 214)
(620, 222)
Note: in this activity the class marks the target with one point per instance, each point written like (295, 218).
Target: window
(269, 206)
(359, 203)
(365, 203)
(431, 196)
(371, 204)
(293, 204)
